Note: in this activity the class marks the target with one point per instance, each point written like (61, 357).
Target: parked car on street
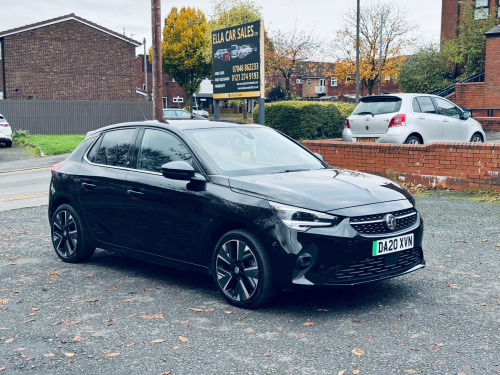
(180, 114)
(244, 203)
(5, 132)
(412, 119)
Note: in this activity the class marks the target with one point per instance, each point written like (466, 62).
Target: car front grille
(375, 224)
(376, 267)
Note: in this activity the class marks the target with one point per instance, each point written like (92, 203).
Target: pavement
(17, 158)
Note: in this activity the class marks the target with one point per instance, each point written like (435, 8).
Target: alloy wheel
(237, 270)
(64, 234)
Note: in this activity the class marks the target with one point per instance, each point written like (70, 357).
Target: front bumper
(341, 256)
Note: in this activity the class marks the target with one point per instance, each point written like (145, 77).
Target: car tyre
(8, 143)
(69, 239)
(242, 270)
(412, 140)
(477, 138)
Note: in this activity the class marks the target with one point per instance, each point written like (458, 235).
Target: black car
(244, 203)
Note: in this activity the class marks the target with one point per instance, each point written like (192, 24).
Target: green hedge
(304, 120)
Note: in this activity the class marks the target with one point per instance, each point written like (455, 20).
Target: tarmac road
(115, 315)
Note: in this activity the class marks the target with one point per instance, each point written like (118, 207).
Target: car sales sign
(238, 61)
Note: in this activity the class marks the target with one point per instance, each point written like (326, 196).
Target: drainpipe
(3, 68)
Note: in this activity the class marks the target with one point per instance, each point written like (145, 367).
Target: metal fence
(71, 116)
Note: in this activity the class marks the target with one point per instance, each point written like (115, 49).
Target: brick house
(480, 96)
(67, 58)
(173, 94)
(314, 81)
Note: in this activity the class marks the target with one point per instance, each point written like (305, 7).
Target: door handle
(446, 120)
(88, 186)
(135, 194)
(421, 118)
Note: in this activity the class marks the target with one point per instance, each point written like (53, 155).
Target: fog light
(304, 260)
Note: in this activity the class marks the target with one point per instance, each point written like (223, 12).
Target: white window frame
(481, 11)
(298, 80)
(178, 99)
(165, 102)
(309, 81)
(334, 81)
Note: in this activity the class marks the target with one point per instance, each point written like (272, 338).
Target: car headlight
(301, 219)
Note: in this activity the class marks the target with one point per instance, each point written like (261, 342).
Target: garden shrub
(304, 120)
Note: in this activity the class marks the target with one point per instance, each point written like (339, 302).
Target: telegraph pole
(157, 86)
(357, 52)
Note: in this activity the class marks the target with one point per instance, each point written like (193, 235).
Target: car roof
(178, 125)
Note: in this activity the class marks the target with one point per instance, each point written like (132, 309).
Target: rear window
(113, 148)
(378, 105)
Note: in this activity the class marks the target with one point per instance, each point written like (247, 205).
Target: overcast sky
(134, 16)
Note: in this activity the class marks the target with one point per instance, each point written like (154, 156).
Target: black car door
(164, 216)
(101, 184)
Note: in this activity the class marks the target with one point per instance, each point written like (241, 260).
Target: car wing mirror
(465, 115)
(319, 157)
(178, 170)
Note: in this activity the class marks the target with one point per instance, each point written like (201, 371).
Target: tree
(276, 93)
(285, 50)
(228, 13)
(396, 34)
(426, 71)
(468, 49)
(184, 39)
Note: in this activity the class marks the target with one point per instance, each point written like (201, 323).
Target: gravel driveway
(115, 315)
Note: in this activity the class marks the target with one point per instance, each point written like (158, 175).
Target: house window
(298, 80)
(178, 99)
(348, 79)
(309, 81)
(481, 9)
(333, 81)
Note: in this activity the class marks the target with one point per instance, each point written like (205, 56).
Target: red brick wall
(69, 60)
(492, 73)
(489, 124)
(453, 165)
(449, 17)
(469, 95)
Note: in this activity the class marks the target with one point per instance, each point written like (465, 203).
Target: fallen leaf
(2, 369)
(267, 355)
(227, 312)
(48, 355)
(241, 318)
(195, 309)
(157, 341)
(88, 274)
(341, 372)
(471, 275)
(8, 341)
(149, 317)
(453, 286)
(483, 304)
(109, 355)
(183, 339)
(436, 346)
(485, 240)
(166, 373)
(355, 372)
(77, 339)
(128, 300)
(69, 355)
(308, 324)
(357, 351)
(92, 300)
(4, 301)
(322, 310)
(301, 335)
(410, 371)
(210, 309)
(127, 345)
(53, 274)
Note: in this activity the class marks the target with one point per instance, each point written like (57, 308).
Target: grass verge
(49, 144)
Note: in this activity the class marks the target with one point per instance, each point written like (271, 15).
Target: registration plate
(392, 245)
(368, 140)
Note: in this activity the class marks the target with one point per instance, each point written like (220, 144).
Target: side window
(426, 105)
(159, 147)
(446, 108)
(415, 105)
(113, 149)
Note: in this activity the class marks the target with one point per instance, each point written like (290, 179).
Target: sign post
(238, 64)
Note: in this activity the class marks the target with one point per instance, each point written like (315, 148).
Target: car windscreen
(246, 151)
(378, 105)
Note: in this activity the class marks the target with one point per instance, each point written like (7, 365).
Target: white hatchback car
(412, 119)
(5, 132)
